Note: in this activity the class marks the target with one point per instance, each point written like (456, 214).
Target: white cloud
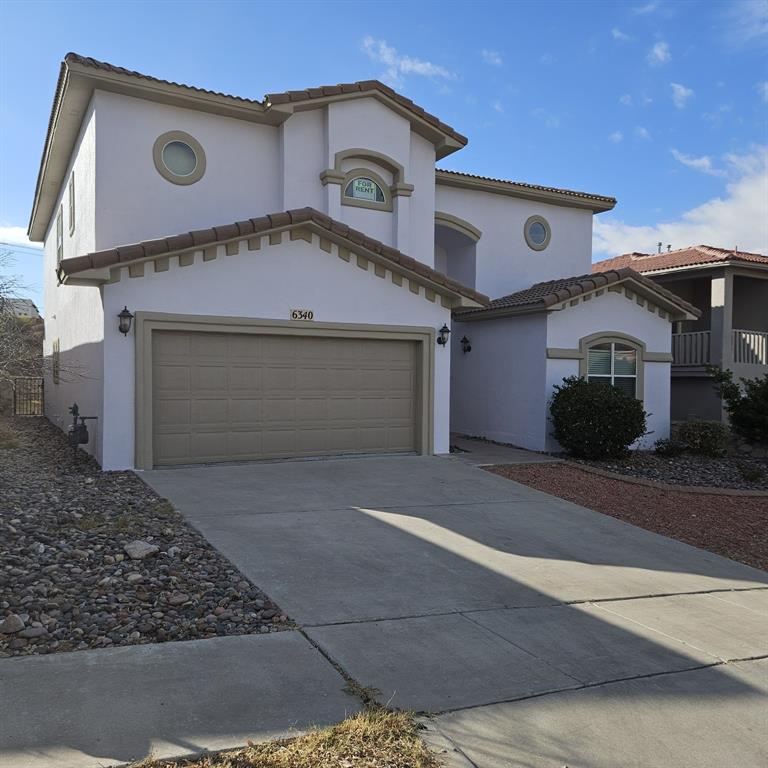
(616, 137)
(703, 163)
(492, 57)
(642, 10)
(549, 120)
(642, 133)
(626, 100)
(746, 23)
(762, 89)
(498, 106)
(398, 65)
(17, 236)
(680, 95)
(617, 34)
(659, 54)
(736, 218)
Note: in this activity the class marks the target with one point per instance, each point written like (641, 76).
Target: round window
(179, 157)
(537, 233)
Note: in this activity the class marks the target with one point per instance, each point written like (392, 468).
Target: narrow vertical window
(72, 203)
(56, 361)
(59, 235)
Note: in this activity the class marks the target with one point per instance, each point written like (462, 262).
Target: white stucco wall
(614, 313)
(134, 202)
(261, 284)
(498, 389)
(505, 263)
(73, 315)
(303, 145)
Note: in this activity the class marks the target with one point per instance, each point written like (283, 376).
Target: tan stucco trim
(522, 191)
(537, 220)
(460, 225)
(157, 155)
(367, 173)
(580, 354)
(148, 322)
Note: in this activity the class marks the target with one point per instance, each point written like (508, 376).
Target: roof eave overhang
(74, 94)
(594, 204)
(711, 265)
(103, 275)
(444, 143)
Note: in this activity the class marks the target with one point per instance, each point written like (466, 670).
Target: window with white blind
(613, 363)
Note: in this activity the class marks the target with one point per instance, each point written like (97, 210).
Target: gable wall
(609, 313)
(262, 284)
(505, 263)
(134, 202)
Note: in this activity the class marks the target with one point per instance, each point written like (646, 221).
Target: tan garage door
(233, 397)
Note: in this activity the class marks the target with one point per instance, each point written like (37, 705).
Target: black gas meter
(77, 434)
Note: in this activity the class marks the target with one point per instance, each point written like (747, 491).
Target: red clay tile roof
(242, 229)
(693, 255)
(363, 86)
(607, 201)
(542, 296)
(87, 61)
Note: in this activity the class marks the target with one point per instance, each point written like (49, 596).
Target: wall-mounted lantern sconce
(442, 335)
(465, 345)
(124, 318)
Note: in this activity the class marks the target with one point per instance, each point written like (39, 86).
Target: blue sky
(660, 104)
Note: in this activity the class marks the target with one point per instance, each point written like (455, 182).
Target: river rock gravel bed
(690, 470)
(91, 559)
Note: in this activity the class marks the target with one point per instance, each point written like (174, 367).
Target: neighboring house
(293, 267)
(730, 288)
(24, 308)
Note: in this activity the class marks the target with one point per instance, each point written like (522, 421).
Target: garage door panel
(219, 396)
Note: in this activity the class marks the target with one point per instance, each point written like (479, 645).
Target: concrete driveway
(451, 590)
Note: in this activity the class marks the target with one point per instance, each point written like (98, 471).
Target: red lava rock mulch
(732, 526)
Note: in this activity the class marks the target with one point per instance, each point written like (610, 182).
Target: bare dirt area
(730, 525)
(90, 559)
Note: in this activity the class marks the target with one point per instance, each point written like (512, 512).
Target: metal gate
(28, 396)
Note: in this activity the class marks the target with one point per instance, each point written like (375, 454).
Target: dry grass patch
(375, 738)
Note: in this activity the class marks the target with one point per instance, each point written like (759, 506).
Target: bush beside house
(594, 420)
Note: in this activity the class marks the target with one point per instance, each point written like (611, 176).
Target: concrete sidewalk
(89, 709)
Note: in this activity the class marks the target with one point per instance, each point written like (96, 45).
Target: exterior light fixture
(442, 335)
(124, 324)
(465, 345)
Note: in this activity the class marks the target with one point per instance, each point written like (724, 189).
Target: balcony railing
(690, 348)
(750, 347)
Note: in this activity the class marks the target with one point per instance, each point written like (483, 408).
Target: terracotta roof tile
(201, 237)
(693, 255)
(523, 185)
(363, 86)
(542, 296)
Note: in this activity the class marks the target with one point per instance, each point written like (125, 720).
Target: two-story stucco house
(294, 267)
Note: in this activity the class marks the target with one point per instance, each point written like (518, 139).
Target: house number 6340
(302, 314)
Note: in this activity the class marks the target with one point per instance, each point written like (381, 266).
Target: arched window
(615, 363)
(364, 188)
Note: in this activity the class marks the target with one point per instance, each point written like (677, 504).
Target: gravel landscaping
(689, 469)
(730, 525)
(90, 559)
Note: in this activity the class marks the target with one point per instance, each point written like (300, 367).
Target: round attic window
(179, 157)
(537, 233)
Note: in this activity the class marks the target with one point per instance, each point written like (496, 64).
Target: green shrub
(594, 420)
(669, 448)
(751, 472)
(708, 438)
(747, 409)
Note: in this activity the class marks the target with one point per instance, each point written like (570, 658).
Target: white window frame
(612, 376)
(72, 202)
(60, 235)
